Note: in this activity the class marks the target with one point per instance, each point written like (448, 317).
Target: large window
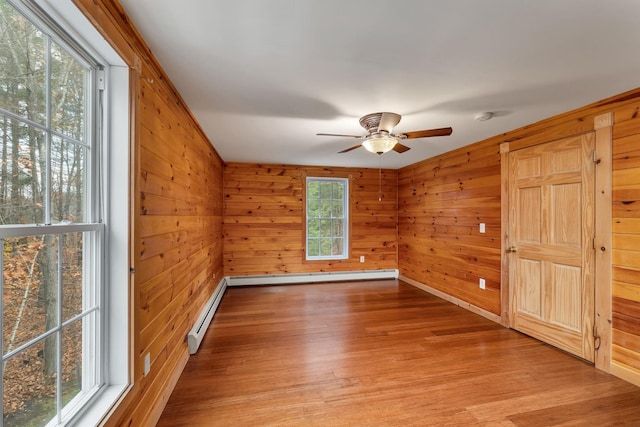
(327, 218)
(53, 237)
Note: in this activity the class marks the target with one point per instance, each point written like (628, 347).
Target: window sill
(97, 412)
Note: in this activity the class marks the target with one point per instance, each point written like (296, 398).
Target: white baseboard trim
(284, 279)
(194, 338)
(472, 308)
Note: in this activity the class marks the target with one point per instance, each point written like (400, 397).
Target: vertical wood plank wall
(264, 227)
(176, 223)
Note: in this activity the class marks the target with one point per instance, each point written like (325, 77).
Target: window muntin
(51, 252)
(327, 210)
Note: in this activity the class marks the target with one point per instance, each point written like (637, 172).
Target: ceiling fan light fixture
(379, 143)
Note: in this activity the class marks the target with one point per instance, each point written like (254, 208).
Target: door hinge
(596, 338)
(595, 158)
(593, 241)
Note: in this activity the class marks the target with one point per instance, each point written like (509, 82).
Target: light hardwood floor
(382, 353)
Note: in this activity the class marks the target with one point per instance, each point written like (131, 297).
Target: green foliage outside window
(326, 218)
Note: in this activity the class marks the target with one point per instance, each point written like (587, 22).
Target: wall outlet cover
(147, 363)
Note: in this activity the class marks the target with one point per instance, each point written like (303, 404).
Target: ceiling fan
(380, 139)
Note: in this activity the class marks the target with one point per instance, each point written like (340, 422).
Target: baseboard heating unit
(200, 327)
(283, 279)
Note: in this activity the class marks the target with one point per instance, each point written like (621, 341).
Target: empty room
(320, 213)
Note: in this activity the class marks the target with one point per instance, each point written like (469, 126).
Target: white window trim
(347, 220)
(116, 351)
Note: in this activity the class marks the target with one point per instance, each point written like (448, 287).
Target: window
(327, 218)
(54, 228)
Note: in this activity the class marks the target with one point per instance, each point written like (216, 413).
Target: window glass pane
(337, 248)
(326, 246)
(45, 153)
(313, 228)
(72, 275)
(22, 172)
(325, 209)
(338, 191)
(331, 210)
(325, 228)
(337, 210)
(67, 181)
(313, 210)
(313, 247)
(313, 190)
(29, 397)
(68, 81)
(30, 288)
(325, 190)
(22, 66)
(71, 361)
(338, 228)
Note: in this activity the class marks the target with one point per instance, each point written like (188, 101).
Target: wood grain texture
(625, 251)
(264, 210)
(179, 242)
(381, 353)
(177, 223)
(552, 267)
(441, 202)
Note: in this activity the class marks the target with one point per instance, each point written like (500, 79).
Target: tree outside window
(49, 232)
(327, 218)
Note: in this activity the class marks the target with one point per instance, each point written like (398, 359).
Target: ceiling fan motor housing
(371, 122)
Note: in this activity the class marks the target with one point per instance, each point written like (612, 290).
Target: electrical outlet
(482, 283)
(361, 258)
(482, 227)
(147, 363)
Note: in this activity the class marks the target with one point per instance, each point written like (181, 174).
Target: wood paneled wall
(176, 231)
(178, 242)
(264, 228)
(442, 200)
(441, 203)
(626, 239)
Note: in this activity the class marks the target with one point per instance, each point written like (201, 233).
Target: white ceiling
(264, 76)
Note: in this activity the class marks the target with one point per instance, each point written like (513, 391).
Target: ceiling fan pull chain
(380, 177)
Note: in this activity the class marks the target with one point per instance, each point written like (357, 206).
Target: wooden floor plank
(381, 353)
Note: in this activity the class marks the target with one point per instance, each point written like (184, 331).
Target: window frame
(63, 21)
(346, 217)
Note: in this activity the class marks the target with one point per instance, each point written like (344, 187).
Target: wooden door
(550, 243)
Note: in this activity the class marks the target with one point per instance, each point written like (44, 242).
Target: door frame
(603, 128)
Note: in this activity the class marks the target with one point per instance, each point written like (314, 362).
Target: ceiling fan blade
(350, 148)
(341, 135)
(400, 148)
(427, 133)
(388, 121)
